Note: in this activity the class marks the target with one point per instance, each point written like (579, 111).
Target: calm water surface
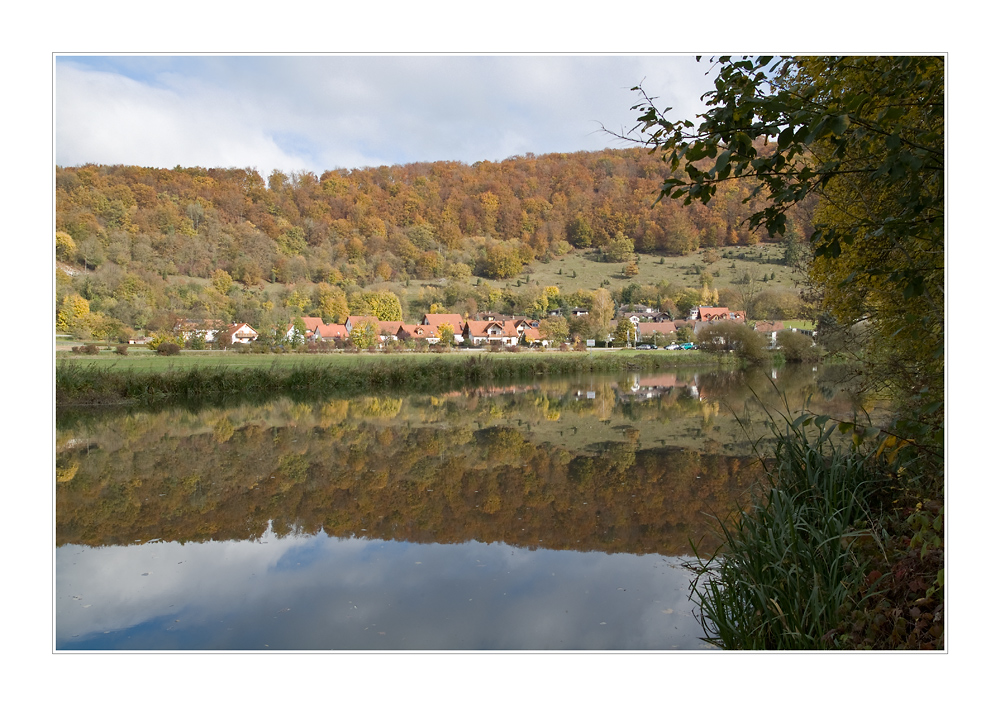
(549, 516)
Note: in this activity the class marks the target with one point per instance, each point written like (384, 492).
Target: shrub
(122, 349)
(798, 347)
(748, 344)
(167, 348)
(88, 349)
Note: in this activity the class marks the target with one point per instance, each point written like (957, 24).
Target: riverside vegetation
(844, 547)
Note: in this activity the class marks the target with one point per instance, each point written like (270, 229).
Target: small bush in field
(168, 349)
(122, 349)
(89, 349)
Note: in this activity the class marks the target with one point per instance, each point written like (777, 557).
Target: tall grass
(93, 384)
(789, 570)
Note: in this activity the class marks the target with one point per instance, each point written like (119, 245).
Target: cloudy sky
(316, 113)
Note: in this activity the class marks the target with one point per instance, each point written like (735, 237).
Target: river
(555, 514)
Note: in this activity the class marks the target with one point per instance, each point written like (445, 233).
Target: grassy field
(144, 360)
(108, 379)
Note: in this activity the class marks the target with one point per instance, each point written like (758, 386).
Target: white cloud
(317, 113)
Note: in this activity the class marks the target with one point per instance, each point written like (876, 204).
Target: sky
(314, 113)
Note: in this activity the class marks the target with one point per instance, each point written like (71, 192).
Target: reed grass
(80, 383)
(789, 570)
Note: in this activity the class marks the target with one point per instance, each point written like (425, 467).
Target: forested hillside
(131, 236)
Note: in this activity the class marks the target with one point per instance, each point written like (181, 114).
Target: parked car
(645, 347)
(674, 347)
(689, 347)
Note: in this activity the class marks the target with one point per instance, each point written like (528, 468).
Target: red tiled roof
(768, 326)
(416, 331)
(311, 322)
(436, 320)
(481, 329)
(389, 328)
(231, 331)
(331, 331)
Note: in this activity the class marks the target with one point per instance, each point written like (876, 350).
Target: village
(635, 326)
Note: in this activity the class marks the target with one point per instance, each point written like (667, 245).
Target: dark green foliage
(167, 348)
(791, 569)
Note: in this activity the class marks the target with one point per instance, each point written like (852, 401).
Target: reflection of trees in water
(414, 484)
(449, 467)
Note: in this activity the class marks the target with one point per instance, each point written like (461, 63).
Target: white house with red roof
(330, 332)
(717, 313)
(436, 320)
(480, 332)
(239, 333)
(418, 332)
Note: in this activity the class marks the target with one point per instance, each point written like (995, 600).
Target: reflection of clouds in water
(361, 594)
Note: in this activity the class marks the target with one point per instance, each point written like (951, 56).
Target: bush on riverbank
(818, 562)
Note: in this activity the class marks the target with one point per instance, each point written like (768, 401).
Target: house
(717, 313)
(239, 333)
(353, 321)
(311, 322)
(520, 325)
(455, 320)
(643, 311)
(651, 330)
(330, 332)
(388, 330)
(417, 332)
(186, 328)
(532, 337)
(770, 330)
(480, 332)
(580, 312)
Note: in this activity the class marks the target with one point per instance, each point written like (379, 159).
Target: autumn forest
(139, 247)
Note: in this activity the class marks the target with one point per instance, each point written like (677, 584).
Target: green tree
(620, 249)
(65, 247)
(446, 332)
(222, 281)
(501, 262)
(579, 233)
(724, 336)
(798, 347)
(865, 136)
(385, 305)
(332, 303)
(364, 335)
(554, 328)
(72, 311)
(624, 335)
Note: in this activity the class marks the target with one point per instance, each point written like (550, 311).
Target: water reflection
(549, 515)
(317, 593)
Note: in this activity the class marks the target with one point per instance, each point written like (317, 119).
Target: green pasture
(141, 359)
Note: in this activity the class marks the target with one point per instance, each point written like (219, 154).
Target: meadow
(110, 379)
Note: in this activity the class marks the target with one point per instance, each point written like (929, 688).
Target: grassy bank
(836, 552)
(124, 381)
